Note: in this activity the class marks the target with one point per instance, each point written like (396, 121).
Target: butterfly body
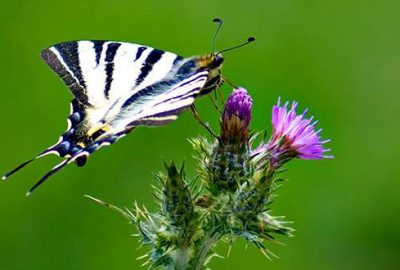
(118, 86)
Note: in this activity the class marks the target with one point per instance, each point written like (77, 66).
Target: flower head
(228, 164)
(236, 116)
(293, 136)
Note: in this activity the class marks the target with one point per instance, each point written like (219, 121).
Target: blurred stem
(181, 259)
(201, 256)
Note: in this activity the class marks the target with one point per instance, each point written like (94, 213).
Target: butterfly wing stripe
(191, 93)
(153, 57)
(180, 91)
(170, 105)
(110, 54)
(183, 87)
(156, 120)
(98, 69)
(98, 48)
(139, 52)
(53, 58)
(126, 69)
(177, 60)
(176, 99)
(93, 72)
(70, 56)
(180, 97)
(165, 109)
(190, 86)
(159, 70)
(149, 90)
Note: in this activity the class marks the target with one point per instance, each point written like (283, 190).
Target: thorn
(265, 253)
(94, 199)
(142, 257)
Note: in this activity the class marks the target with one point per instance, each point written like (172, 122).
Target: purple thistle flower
(236, 116)
(293, 136)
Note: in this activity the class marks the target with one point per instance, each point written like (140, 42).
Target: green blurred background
(339, 58)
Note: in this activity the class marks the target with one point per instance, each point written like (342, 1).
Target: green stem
(181, 259)
(201, 256)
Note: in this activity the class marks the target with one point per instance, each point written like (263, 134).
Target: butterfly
(117, 86)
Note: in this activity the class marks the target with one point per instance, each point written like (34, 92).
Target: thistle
(231, 196)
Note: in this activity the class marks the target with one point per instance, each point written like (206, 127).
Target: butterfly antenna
(249, 40)
(220, 22)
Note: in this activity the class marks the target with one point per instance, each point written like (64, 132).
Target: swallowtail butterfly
(118, 86)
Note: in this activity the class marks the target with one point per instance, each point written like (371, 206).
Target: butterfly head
(216, 61)
(210, 62)
(213, 64)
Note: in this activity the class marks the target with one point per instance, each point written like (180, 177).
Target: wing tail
(79, 157)
(50, 150)
(62, 148)
(56, 169)
(16, 169)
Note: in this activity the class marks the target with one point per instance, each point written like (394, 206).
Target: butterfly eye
(217, 62)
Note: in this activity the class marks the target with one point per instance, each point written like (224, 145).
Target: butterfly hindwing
(160, 103)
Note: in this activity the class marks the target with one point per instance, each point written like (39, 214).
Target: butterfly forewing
(100, 72)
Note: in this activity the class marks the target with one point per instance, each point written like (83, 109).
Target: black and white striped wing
(100, 72)
(116, 86)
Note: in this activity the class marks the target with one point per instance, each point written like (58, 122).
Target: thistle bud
(177, 201)
(252, 197)
(229, 163)
(236, 117)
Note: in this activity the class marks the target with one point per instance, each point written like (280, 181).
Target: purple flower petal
(293, 135)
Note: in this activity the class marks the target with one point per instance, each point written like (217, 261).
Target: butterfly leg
(221, 96)
(196, 116)
(214, 102)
